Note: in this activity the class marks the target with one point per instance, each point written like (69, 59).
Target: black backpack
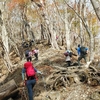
(70, 54)
(83, 50)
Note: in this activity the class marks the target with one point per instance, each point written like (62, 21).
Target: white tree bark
(4, 38)
(53, 38)
(4, 32)
(84, 16)
(48, 24)
(67, 29)
(81, 27)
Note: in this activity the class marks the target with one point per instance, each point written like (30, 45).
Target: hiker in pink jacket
(35, 52)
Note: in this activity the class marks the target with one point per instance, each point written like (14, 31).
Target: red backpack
(66, 53)
(30, 71)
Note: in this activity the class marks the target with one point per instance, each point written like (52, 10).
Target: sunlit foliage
(13, 3)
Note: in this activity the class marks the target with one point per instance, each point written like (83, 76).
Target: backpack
(27, 53)
(83, 50)
(30, 71)
(68, 54)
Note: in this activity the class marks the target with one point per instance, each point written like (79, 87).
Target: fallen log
(6, 89)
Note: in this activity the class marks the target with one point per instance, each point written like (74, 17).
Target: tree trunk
(96, 6)
(6, 58)
(4, 39)
(67, 30)
(84, 16)
(48, 28)
(80, 11)
(53, 36)
(89, 34)
(4, 31)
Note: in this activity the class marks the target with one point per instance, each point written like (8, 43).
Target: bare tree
(4, 31)
(67, 30)
(6, 58)
(96, 6)
(89, 34)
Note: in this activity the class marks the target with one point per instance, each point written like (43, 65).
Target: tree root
(65, 78)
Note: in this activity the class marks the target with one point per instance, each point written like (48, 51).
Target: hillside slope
(58, 81)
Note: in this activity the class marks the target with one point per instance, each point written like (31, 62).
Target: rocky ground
(58, 81)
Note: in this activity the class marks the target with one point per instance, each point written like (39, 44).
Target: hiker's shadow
(75, 64)
(72, 64)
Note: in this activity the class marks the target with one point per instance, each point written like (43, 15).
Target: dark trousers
(30, 84)
(29, 58)
(68, 63)
(36, 56)
(80, 57)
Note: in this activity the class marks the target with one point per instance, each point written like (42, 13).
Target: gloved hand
(39, 72)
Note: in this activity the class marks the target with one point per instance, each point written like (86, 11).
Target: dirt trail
(49, 62)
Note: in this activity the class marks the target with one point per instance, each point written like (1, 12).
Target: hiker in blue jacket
(82, 54)
(78, 49)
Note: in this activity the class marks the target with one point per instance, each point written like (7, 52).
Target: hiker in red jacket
(30, 72)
